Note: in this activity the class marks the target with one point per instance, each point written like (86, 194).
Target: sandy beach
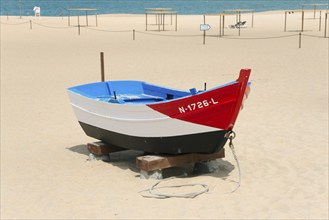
(282, 132)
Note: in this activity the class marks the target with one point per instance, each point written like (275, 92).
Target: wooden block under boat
(100, 148)
(158, 162)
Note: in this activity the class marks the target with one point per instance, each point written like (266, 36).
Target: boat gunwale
(135, 102)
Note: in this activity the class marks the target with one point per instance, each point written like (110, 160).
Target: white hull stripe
(133, 120)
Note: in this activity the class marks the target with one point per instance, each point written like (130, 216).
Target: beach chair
(239, 24)
(242, 24)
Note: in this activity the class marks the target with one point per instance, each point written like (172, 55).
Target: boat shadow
(81, 149)
(126, 160)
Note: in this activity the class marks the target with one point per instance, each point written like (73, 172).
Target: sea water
(59, 7)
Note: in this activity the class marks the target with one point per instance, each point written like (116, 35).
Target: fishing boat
(146, 117)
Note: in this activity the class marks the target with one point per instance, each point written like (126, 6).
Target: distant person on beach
(37, 11)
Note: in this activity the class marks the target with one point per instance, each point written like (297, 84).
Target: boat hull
(207, 142)
(141, 116)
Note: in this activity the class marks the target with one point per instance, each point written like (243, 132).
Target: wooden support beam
(100, 148)
(155, 162)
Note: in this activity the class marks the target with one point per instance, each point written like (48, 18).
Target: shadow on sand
(122, 159)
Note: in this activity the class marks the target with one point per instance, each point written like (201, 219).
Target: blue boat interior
(133, 92)
(128, 92)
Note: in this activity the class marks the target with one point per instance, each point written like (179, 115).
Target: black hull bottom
(209, 142)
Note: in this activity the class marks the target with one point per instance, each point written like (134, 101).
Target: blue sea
(58, 7)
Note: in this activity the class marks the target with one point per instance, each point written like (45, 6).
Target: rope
(15, 23)
(167, 35)
(93, 29)
(307, 35)
(253, 38)
(50, 26)
(229, 135)
(165, 196)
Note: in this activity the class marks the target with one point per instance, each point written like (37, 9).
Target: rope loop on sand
(153, 194)
(229, 135)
